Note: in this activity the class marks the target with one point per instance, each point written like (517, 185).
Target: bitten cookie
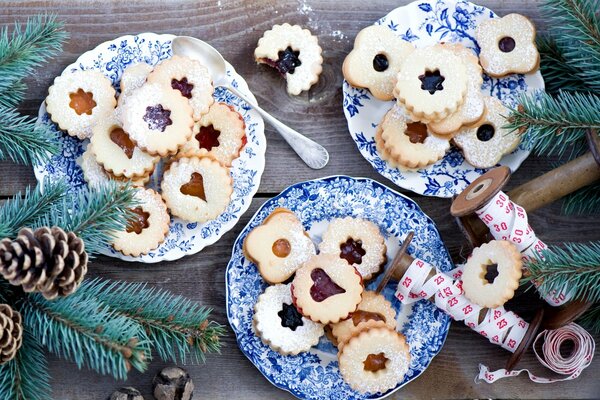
(294, 52)
(326, 289)
(78, 100)
(357, 241)
(188, 78)
(409, 143)
(197, 189)
(278, 246)
(220, 134)
(375, 60)
(507, 46)
(159, 121)
(491, 275)
(432, 83)
(373, 308)
(279, 324)
(484, 144)
(116, 152)
(375, 360)
(149, 228)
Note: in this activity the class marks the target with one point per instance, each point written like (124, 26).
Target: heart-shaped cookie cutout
(195, 187)
(323, 286)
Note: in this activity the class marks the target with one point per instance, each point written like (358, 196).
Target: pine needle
(591, 319)
(558, 73)
(26, 376)
(13, 94)
(584, 201)
(576, 267)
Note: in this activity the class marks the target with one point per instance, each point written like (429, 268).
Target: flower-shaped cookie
(375, 60)
(294, 52)
(507, 45)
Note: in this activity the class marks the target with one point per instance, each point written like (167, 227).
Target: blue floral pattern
(425, 23)
(315, 374)
(111, 58)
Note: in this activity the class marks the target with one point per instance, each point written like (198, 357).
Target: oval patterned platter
(315, 374)
(425, 23)
(111, 58)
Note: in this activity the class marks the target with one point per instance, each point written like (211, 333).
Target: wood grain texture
(234, 27)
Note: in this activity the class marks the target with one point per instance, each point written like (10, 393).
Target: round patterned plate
(315, 374)
(425, 23)
(184, 238)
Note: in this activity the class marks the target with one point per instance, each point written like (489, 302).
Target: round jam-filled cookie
(116, 152)
(409, 143)
(326, 288)
(78, 100)
(197, 189)
(373, 308)
(385, 154)
(491, 275)
(357, 241)
(279, 246)
(148, 228)
(474, 106)
(432, 83)
(294, 52)
(375, 60)
(95, 175)
(159, 121)
(507, 45)
(279, 324)
(375, 360)
(484, 144)
(189, 78)
(221, 134)
(134, 77)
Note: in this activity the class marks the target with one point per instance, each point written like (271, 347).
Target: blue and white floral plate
(184, 238)
(425, 23)
(315, 374)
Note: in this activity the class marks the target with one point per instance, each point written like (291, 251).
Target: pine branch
(555, 125)
(94, 214)
(27, 48)
(175, 326)
(591, 319)
(22, 141)
(83, 330)
(576, 27)
(26, 376)
(558, 73)
(576, 267)
(27, 208)
(6, 291)
(584, 201)
(13, 95)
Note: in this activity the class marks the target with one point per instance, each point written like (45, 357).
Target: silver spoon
(312, 153)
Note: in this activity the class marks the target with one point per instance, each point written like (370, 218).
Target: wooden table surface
(234, 27)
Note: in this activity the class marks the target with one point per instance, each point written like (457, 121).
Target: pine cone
(49, 261)
(11, 333)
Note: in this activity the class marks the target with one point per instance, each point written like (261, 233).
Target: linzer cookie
(220, 134)
(326, 288)
(116, 152)
(375, 360)
(357, 241)
(279, 324)
(188, 78)
(159, 121)
(491, 275)
(432, 83)
(279, 246)
(507, 45)
(134, 76)
(96, 176)
(484, 144)
(375, 60)
(294, 52)
(78, 100)
(373, 309)
(197, 189)
(148, 228)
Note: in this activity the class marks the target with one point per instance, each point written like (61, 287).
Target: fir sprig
(559, 73)
(554, 125)
(584, 201)
(176, 327)
(591, 319)
(25, 209)
(81, 329)
(13, 95)
(576, 267)
(26, 377)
